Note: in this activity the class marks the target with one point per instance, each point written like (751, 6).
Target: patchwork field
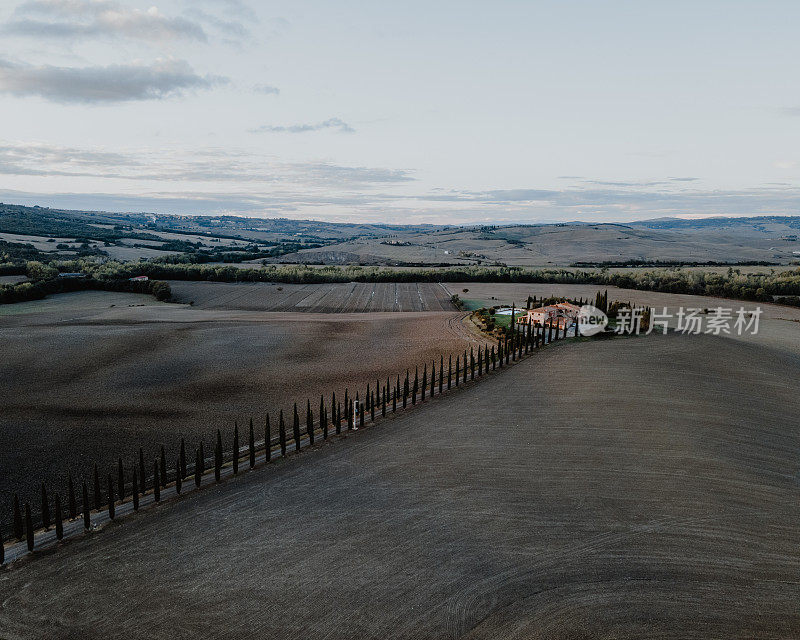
(631, 502)
(87, 377)
(316, 298)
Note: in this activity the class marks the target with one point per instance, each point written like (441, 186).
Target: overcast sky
(403, 111)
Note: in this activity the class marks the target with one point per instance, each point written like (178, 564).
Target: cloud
(229, 180)
(791, 111)
(113, 83)
(74, 19)
(330, 123)
(500, 206)
(266, 89)
(204, 165)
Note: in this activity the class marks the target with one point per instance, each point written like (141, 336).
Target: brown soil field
(84, 381)
(351, 297)
(645, 491)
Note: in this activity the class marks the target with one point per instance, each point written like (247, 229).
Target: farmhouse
(561, 314)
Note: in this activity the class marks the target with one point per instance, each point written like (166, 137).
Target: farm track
(630, 504)
(350, 297)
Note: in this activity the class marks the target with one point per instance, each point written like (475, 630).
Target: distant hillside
(759, 241)
(131, 236)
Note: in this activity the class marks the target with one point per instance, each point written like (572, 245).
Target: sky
(414, 112)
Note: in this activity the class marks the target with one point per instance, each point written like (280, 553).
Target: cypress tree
(202, 458)
(394, 395)
(415, 387)
(235, 448)
(372, 407)
(111, 496)
(59, 520)
(163, 475)
(267, 441)
(296, 428)
(458, 373)
(450, 373)
(527, 337)
(156, 482)
(73, 507)
(198, 467)
(182, 459)
(282, 434)
(500, 353)
(135, 489)
(19, 531)
(87, 520)
(121, 480)
(494, 360)
(550, 332)
(367, 397)
(441, 373)
(471, 363)
(334, 413)
(361, 413)
(348, 410)
(480, 362)
(465, 366)
(142, 472)
(338, 417)
(513, 324)
(2, 548)
(45, 508)
(309, 423)
(251, 443)
(486, 358)
(28, 526)
(178, 480)
(424, 382)
(218, 457)
(405, 390)
(433, 377)
(323, 418)
(383, 402)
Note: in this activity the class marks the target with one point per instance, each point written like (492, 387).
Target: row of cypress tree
(350, 414)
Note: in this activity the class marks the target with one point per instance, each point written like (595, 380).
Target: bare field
(316, 298)
(655, 495)
(87, 378)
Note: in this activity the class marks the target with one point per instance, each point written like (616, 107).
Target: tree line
(731, 284)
